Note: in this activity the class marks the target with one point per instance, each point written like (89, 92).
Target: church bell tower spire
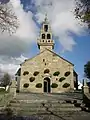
(45, 38)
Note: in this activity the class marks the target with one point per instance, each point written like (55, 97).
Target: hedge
(54, 85)
(66, 85)
(35, 73)
(26, 73)
(32, 79)
(38, 85)
(61, 79)
(67, 74)
(26, 85)
(56, 73)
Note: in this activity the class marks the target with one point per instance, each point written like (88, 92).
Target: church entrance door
(47, 85)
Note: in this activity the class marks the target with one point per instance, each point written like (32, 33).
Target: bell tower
(45, 38)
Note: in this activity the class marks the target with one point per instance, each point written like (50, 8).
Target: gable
(43, 55)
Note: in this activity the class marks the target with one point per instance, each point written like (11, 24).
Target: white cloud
(61, 16)
(80, 85)
(12, 48)
(27, 28)
(11, 64)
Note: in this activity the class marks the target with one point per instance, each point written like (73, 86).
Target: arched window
(45, 28)
(48, 36)
(43, 36)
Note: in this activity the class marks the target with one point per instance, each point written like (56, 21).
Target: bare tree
(6, 79)
(8, 19)
(82, 11)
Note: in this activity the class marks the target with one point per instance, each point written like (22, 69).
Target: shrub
(46, 71)
(35, 73)
(26, 85)
(61, 79)
(67, 74)
(66, 85)
(25, 73)
(32, 79)
(2, 90)
(54, 85)
(56, 73)
(39, 85)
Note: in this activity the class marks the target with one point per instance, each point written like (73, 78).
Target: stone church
(47, 72)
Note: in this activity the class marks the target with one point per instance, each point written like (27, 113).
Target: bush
(32, 79)
(46, 71)
(61, 79)
(39, 85)
(56, 73)
(26, 85)
(26, 73)
(35, 73)
(2, 90)
(54, 85)
(66, 85)
(67, 74)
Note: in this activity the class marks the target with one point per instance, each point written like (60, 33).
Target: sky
(70, 34)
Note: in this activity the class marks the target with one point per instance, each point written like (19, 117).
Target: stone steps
(29, 104)
(39, 107)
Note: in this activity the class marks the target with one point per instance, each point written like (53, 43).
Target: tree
(8, 19)
(87, 70)
(82, 11)
(6, 79)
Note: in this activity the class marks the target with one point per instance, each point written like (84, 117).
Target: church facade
(47, 72)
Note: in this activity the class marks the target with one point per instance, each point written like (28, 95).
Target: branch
(8, 19)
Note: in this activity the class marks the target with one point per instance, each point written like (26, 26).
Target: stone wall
(46, 60)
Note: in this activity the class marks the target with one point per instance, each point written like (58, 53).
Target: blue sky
(71, 40)
(80, 53)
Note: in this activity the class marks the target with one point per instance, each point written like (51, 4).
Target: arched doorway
(47, 85)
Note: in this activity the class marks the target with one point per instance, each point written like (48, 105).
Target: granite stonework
(49, 61)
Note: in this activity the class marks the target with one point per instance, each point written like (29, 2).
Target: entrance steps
(43, 104)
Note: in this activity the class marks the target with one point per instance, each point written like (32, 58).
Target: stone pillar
(85, 87)
(13, 88)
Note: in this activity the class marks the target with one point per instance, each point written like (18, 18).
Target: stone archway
(47, 88)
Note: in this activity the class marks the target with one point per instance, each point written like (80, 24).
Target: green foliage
(66, 85)
(54, 85)
(38, 85)
(26, 85)
(56, 73)
(87, 70)
(25, 73)
(35, 73)
(61, 79)
(67, 74)
(8, 111)
(32, 79)
(6, 80)
(46, 71)
(2, 90)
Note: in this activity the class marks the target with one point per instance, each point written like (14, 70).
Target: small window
(43, 60)
(48, 36)
(43, 36)
(46, 28)
(48, 40)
